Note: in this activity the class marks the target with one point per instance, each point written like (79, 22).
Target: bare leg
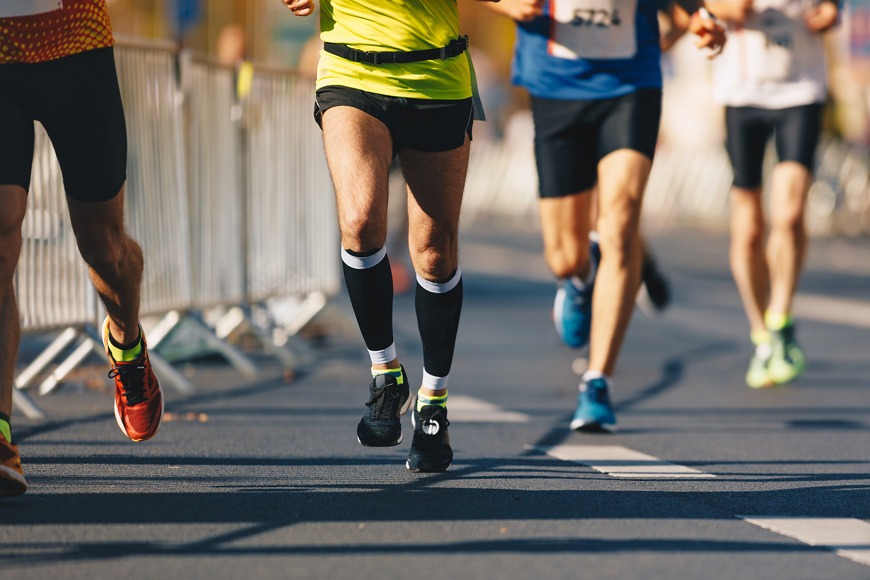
(748, 263)
(565, 228)
(359, 151)
(622, 177)
(114, 261)
(13, 201)
(787, 243)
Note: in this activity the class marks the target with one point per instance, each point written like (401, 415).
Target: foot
(594, 411)
(139, 399)
(381, 426)
(572, 309)
(654, 294)
(757, 375)
(12, 480)
(787, 360)
(430, 447)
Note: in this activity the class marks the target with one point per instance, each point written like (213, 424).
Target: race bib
(772, 38)
(592, 29)
(13, 8)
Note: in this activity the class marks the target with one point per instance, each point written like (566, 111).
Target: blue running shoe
(572, 309)
(594, 411)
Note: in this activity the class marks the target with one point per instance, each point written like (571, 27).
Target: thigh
(359, 151)
(564, 147)
(631, 122)
(436, 181)
(16, 130)
(797, 134)
(747, 133)
(81, 110)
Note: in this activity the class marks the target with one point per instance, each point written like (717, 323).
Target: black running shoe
(381, 426)
(655, 290)
(430, 447)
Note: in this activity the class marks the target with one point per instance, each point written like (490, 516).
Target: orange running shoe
(138, 396)
(12, 480)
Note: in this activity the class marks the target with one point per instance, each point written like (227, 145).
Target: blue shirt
(545, 75)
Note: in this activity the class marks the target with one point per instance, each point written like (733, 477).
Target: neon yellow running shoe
(757, 375)
(787, 360)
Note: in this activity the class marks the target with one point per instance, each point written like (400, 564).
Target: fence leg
(237, 317)
(26, 405)
(45, 357)
(69, 364)
(234, 356)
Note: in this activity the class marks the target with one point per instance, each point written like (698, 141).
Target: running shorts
(422, 124)
(571, 137)
(77, 100)
(748, 129)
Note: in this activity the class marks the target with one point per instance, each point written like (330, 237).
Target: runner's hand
(821, 17)
(300, 7)
(736, 11)
(710, 33)
(519, 10)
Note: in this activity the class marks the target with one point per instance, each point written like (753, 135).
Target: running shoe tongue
(132, 377)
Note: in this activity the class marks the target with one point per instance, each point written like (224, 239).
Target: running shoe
(757, 375)
(787, 359)
(594, 411)
(12, 480)
(381, 426)
(139, 399)
(655, 290)
(430, 447)
(572, 309)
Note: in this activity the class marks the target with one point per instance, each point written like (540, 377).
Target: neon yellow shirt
(388, 26)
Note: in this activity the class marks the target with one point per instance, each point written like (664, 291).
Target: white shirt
(772, 61)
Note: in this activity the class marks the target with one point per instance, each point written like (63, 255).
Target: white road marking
(854, 313)
(465, 409)
(847, 537)
(620, 461)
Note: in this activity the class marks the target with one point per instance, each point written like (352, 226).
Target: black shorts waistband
(454, 48)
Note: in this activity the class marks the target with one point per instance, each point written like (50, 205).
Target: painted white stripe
(854, 313)
(465, 409)
(847, 537)
(619, 461)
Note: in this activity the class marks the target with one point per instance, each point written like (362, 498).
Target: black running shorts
(571, 137)
(748, 129)
(421, 124)
(77, 100)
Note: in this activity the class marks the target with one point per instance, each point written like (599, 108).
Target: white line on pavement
(622, 462)
(848, 537)
(465, 409)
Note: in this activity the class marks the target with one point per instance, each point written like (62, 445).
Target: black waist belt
(455, 48)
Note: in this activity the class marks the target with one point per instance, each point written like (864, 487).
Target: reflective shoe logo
(430, 427)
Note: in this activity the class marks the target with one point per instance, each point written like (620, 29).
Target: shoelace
(133, 380)
(378, 401)
(598, 394)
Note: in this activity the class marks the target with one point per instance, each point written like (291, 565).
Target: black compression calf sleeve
(370, 286)
(438, 308)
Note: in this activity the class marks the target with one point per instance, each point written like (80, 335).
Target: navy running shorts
(422, 124)
(77, 100)
(571, 137)
(748, 129)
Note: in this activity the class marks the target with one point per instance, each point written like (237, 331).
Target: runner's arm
(300, 7)
(710, 32)
(822, 16)
(519, 10)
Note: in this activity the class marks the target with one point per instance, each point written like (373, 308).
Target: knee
(435, 262)
(10, 245)
(788, 222)
(359, 233)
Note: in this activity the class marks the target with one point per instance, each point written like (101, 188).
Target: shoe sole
(422, 470)
(12, 484)
(592, 427)
(402, 410)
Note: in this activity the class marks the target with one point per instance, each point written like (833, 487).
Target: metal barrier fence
(231, 202)
(686, 186)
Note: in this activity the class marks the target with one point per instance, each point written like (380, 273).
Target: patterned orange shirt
(78, 26)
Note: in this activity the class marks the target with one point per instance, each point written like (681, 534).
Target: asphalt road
(264, 478)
